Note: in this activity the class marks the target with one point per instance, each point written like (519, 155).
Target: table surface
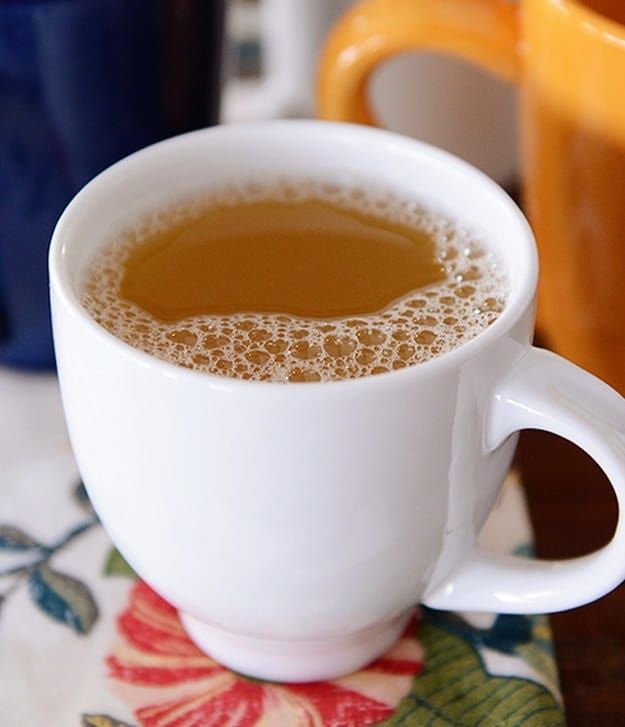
(573, 511)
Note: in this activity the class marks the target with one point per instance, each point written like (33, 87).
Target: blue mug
(82, 84)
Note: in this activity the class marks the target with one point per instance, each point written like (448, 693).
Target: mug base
(295, 661)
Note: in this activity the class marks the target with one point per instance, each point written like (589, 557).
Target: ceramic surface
(320, 513)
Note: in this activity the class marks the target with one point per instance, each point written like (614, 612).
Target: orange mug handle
(484, 32)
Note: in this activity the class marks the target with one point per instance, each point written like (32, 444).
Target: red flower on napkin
(169, 682)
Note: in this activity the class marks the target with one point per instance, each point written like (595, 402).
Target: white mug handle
(285, 88)
(544, 391)
(291, 34)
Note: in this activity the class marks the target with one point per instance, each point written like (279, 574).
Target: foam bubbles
(281, 348)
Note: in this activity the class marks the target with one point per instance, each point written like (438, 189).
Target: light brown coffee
(295, 283)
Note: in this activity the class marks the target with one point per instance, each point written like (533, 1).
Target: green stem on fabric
(48, 551)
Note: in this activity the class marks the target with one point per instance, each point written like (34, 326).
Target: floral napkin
(84, 642)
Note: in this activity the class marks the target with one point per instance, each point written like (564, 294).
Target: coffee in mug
(296, 282)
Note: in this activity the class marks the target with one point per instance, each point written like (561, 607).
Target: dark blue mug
(82, 84)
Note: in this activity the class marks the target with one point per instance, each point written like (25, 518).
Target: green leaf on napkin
(101, 720)
(63, 598)
(12, 538)
(455, 690)
(116, 565)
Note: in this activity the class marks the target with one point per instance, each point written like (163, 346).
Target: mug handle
(484, 32)
(545, 391)
(284, 89)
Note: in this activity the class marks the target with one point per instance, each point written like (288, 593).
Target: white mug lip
(516, 304)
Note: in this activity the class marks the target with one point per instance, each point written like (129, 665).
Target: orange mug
(568, 57)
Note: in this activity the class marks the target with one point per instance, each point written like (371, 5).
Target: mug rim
(517, 302)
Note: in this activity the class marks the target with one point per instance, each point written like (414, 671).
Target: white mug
(435, 98)
(295, 525)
